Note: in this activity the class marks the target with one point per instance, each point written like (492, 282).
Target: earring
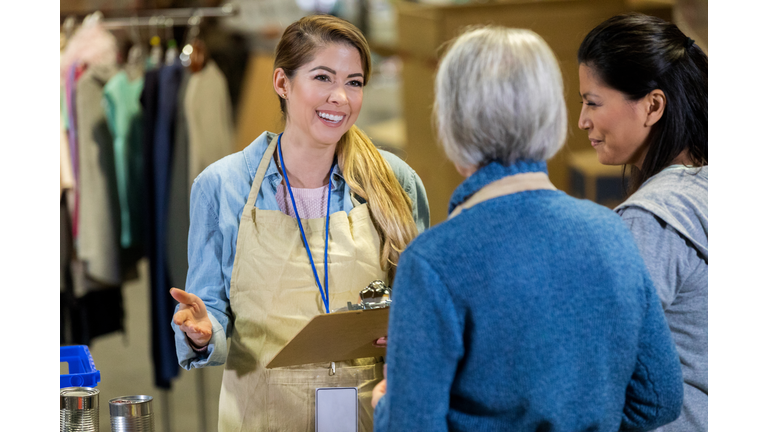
(282, 95)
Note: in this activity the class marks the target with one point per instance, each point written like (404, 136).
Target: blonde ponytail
(370, 177)
(364, 169)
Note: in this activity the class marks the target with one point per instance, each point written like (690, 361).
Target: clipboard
(338, 336)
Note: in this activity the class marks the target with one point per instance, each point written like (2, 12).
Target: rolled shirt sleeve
(205, 280)
(215, 353)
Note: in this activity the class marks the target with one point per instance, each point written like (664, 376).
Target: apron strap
(355, 202)
(506, 186)
(259, 177)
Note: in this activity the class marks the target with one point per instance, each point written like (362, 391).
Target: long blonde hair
(366, 172)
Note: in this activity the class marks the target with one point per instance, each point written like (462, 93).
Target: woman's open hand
(192, 317)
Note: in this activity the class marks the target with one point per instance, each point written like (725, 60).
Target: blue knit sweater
(528, 312)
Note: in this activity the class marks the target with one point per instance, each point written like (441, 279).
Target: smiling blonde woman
(294, 226)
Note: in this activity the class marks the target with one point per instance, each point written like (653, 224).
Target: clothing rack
(164, 19)
(170, 17)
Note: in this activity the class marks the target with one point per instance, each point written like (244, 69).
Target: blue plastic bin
(82, 371)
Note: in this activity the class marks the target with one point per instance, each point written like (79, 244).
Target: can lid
(130, 406)
(78, 398)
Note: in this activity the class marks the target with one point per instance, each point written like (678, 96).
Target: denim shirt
(218, 197)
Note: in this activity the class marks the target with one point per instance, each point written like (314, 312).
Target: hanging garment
(83, 315)
(98, 242)
(96, 308)
(66, 177)
(163, 344)
(209, 115)
(148, 102)
(66, 285)
(230, 51)
(90, 44)
(124, 117)
(70, 88)
(178, 211)
(91, 272)
(69, 95)
(273, 295)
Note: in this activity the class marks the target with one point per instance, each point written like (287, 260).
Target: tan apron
(273, 295)
(506, 186)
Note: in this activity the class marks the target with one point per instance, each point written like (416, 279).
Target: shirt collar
(255, 151)
(489, 174)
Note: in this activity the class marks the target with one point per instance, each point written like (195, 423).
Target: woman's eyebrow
(326, 68)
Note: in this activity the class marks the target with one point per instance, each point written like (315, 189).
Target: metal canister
(79, 409)
(132, 414)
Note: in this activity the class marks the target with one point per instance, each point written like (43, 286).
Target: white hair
(499, 96)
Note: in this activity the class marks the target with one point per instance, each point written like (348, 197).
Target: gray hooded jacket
(668, 217)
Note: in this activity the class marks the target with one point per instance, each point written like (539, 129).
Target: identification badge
(336, 409)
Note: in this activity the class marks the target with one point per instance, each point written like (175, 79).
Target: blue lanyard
(323, 294)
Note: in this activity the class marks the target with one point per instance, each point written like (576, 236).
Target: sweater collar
(489, 174)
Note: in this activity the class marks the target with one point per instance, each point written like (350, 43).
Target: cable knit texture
(528, 312)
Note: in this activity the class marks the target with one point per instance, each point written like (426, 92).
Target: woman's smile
(331, 118)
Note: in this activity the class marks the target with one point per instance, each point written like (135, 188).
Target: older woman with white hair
(528, 309)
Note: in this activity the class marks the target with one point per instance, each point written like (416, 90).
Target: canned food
(79, 409)
(132, 414)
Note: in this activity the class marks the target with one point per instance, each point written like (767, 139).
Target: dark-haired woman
(643, 85)
(294, 226)
(548, 352)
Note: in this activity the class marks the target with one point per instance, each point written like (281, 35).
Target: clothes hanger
(93, 19)
(194, 55)
(156, 49)
(134, 65)
(67, 28)
(172, 52)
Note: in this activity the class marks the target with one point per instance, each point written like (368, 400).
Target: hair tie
(689, 43)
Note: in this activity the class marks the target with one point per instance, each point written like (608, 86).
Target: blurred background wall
(405, 37)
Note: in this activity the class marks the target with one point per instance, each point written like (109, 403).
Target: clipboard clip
(376, 295)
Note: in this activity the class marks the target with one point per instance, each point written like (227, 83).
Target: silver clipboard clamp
(376, 295)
